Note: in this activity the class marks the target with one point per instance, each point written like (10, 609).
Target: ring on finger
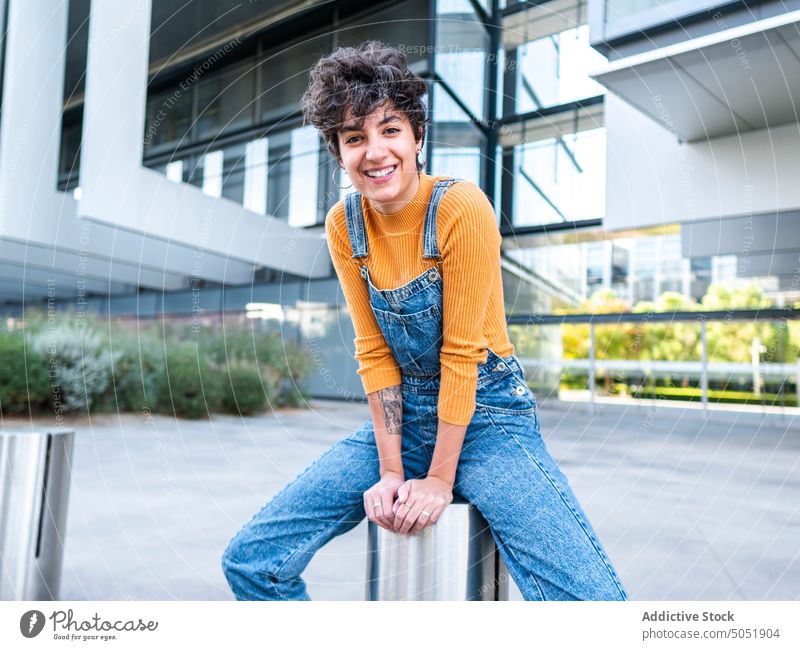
(375, 506)
(426, 513)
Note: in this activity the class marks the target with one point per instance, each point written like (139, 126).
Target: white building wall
(652, 179)
(119, 191)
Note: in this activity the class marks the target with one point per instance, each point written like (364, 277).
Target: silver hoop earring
(337, 184)
(420, 163)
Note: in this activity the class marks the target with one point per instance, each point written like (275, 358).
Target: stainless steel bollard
(34, 493)
(455, 559)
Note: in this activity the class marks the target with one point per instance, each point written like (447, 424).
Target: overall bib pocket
(415, 339)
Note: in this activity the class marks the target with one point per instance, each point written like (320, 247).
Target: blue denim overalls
(505, 469)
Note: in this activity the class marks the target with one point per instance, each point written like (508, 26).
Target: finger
(411, 518)
(422, 521)
(379, 510)
(377, 513)
(403, 510)
(404, 492)
(368, 507)
(437, 513)
(387, 516)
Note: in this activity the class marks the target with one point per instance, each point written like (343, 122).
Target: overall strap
(430, 245)
(356, 229)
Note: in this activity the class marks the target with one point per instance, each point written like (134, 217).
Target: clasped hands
(407, 507)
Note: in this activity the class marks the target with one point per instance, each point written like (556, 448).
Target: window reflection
(169, 116)
(462, 42)
(284, 76)
(560, 179)
(255, 175)
(404, 25)
(225, 101)
(554, 70)
(304, 177)
(459, 143)
(619, 8)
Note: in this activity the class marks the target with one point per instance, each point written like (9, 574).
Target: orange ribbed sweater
(474, 315)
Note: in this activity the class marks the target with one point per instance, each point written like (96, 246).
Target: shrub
(24, 382)
(136, 372)
(283, 365)
(293, 374)
(80, 360)
(187, 385)
(243, 391)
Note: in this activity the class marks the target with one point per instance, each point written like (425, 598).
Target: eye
(351, 139)
(393, 128)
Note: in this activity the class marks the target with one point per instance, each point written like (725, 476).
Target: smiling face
(379, 156)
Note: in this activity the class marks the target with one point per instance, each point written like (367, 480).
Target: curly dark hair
(362, 79)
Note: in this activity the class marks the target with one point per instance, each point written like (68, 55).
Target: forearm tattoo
(391, 400)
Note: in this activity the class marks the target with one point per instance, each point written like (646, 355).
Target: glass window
(193, 170)
(255, 175)
(174, 171)
(233, 172)
(553, 277)
(622, 7)
(304, 177)
(458, 146)
(560, 178)
(619, 264)
(76, 48)
(595, 263)
(212, 173)
(278, 179)
(404, 25)
(70, 159)
(178, 26)
(169, 116)
(225, 101)
(461, 46)
(554, 70)
(700, 274)
(284, 76)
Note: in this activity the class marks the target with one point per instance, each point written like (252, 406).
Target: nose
(376, 150)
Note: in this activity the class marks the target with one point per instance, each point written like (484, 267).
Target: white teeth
(384, 172)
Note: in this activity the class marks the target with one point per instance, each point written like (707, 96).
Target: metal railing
(701, 368)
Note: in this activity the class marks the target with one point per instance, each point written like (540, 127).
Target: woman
(418, 258)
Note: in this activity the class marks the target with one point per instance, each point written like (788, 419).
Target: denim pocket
(508, 395)
(415, 339)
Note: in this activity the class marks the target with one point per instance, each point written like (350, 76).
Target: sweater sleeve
(470, 249)
(376, 364)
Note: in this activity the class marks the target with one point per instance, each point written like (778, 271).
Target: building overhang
(734, 80)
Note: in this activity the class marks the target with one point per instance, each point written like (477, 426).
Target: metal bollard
(455, 559)
(34, 493)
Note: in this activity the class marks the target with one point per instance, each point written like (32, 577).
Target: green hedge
(187, 385)
(690, 394)
(24, 382)
(243, 392)
(94, 365)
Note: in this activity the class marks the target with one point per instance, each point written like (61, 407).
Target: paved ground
(687, 508)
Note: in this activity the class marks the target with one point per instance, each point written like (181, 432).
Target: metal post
(34, 491)
(704, 359)
(797, 384)
(455, 559)
(755, 358)
(592, 368)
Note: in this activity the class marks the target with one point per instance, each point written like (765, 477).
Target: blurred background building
(154, 162)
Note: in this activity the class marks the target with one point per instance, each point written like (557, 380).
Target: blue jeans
(505, 470)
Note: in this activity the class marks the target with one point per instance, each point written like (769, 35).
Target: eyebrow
(352, 127)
